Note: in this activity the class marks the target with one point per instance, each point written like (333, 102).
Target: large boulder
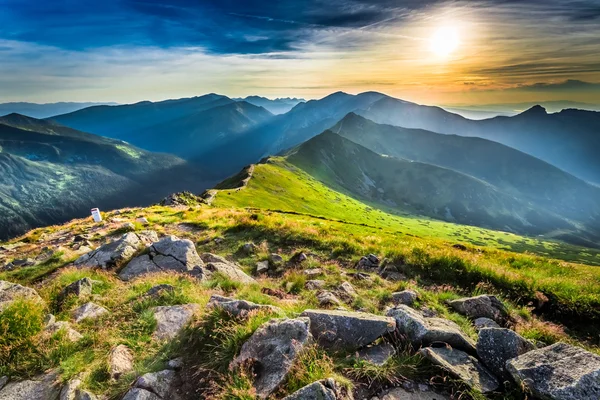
(495, 346)
(45, 387)
(170, 320)
(462, 366)
(407, 297)
(120, 361)
(112, 253)
(558, 372)
(481, 306)
(168, 254)
(347, 330)
(238, 308)
(421, 330)
(88, 311)
(10, 292)
(72, 391)
(272, 350)
(326, 389)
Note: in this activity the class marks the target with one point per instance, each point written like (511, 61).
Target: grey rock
(44, 387)
(9, 292)
(249, 248)
(484, 322)
(462, 366)
(407, 297)
(378, 354)
(275, 258)
(147, 237)
(347, 330)
(326, 389)
(313, 272)
(120, 361)
(238, 308)
(272, 349)
(3, 381)
(111, 254)
(159, 383)
(49, 319)
(158, 290)
(403, 394)
(368, 262)
(347, 292)
(230, 270)
(71, 391)
(495, 346)
(85, 395)
(141, 265)
(176, 363)
(170, 320)
(23, 262)
(314, 284)
(558, 372)
(421, 330)
(140, 394)
(327, 298)
(262, 267)
(63, 326)
(80, 288)
(481, 306)
(88, 311)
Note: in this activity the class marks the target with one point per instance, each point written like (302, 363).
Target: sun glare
(444, 41)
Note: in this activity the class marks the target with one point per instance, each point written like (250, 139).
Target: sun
(445, 41)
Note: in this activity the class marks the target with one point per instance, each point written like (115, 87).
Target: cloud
(570, 85)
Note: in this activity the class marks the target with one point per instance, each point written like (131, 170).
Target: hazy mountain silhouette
(36, 110)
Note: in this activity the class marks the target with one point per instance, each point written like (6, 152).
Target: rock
(378, 354)
(142, 220)
(58, 326)
(481, 306)
(229, 270)
(159, 383)
(44, 387)
(422, 330)
(407, 297)
(347, 330)
(159, 290)
(298, 258)
(462, 366)
(314, 284)
(495, 346)
(84, 395)
(484, 322)
(170, 320)
(71, 391)
(111, 254)
(238, 308)
(272, 350)
(369, 262)
(120, 361)
(327, 298)
(313, 272)
(23, 262)
(140, 394)
(127, 226)
(391, 273)
(262, 267)
(280, 294)
(558, 372)
(459, 246)
(80, 288)
(249, 248)
(275, 258)
(147, 237)
(347, 292)
(141, 265)
(360, 276)
(10, 292)
(326, 389)
(176, 363)
(403, 394)
(3, 381)
(88, 311)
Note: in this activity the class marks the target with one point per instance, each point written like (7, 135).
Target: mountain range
(36, 110)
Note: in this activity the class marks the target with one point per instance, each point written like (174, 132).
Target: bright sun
(444, 41)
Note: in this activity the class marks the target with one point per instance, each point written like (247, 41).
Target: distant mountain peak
(535, 110)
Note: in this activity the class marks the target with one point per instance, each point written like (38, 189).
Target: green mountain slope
(52, 173)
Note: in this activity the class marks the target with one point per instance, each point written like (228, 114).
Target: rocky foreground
(306, 313)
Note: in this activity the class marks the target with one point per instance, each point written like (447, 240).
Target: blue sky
(124, 50)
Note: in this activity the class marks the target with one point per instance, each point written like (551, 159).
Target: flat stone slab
(170, 320)
(378, 354)
(462, 366)
(111, 254)
(88, 311)
(346, 329)
(558, 372)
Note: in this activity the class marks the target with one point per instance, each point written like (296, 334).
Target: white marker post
(96, 215)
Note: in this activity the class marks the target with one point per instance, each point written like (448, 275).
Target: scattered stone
(140, 394)
(170, 320)
(127, 226)
(314, 284)
(147, 237)
(111, 254)
(275, 258)
(69, 391)
(407, 297)
(81, 238)
(422, 330)
(227, 269)
(249, 248)
(44, 255)
(142, 220)
(403, 394)
(272, 350)
(558, 372)
(159, 290)
(23, 262)
(298, 258)
(58, 326)
(378, 354)
(462, 366)
(44, 387)
(10, 292)
(484, 322)
(495, 346)
(3, 381)
(459, 246)
(327, 298)
(262, 267)
(326, 389)
(176, 363)
(120, 361)
(159, 383)
(347, 292)
(218, 240)
(391, 273)
(238, 308)
(369, 262)
(481, 306)
(360, 276)
(138, 266)
(88, 311)
(347, 330)
(313, 273)
(80, 288)
(280, 294)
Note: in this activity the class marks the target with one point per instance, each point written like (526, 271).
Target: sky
(427, 51)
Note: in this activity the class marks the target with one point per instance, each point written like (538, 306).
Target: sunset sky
(434, 52)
